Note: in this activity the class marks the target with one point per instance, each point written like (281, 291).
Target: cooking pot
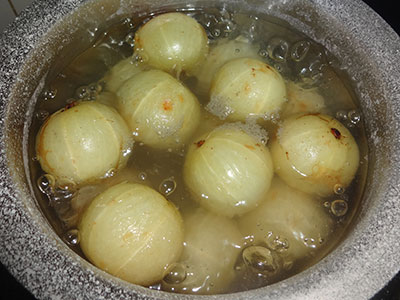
(54, 31)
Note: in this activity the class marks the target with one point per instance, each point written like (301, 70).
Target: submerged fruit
(248, 88)
(314, 153)
(82, 142)
(212, 245)
(228, 171)
(159, 109)
(131, 231)
(172, 42)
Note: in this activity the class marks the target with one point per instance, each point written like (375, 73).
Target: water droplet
(216, 32)
(82, 92)
(49, 94)
(175, 274)
(299, 50)
(260, 259)
(277, 49)
(263, 53)
(277, 243)
(341, 115)
(42, 115)
(313, 73)
(72, 237)
(338, 189)
(142, 176)
(264, 141)
(46, 183)
(110, 173)
(167, 186)
(354, 116)
(130, 39)
(310, 242)
(339, 207)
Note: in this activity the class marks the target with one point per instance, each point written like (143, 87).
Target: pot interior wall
(65, 38)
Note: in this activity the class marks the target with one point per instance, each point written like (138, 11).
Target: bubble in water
(260, 259)
(339, 207)
(72, 237)
(128, 22)
(277, 243)
(310, 242)
(216, 32)
(278, 49)
(299, 50)
(167, 186)
(341, 115)
(130, 39)
(82, 92)
(263, 53)
(354, 116)
(110, 173)
(42, 115)
(338, 189)
(327, 204)
(49, 94)
(313, 73)
(46, 183)
(142, 176)
(175, 274)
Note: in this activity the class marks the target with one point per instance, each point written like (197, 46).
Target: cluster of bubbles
(167, 186)
(266, 260)
(88, 92)
(60, 200)
(218, 24)
(351, 118)
(338, 207)
(175, 274)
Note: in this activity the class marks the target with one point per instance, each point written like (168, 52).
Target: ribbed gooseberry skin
(82, 142)
(248, 87)
(228, 171)
(159, 109)
(315, 152)
(172, 42)
(132, 232)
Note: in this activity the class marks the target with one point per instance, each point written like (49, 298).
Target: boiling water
(296, 57)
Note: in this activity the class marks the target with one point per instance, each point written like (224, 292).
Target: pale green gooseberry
(288, 221)
(246, 88)
(315, 152)
(159, 109)
(223, 51)
(132, 232)
(228, 171)
(302, 100)
(212, 245)
(120, 73)
(172, 42)
(82, 142)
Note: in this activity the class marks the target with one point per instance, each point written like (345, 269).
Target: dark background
(387, 9)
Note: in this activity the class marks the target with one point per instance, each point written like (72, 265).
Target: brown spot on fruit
(336, 133)
(249, 147)
(167, 105)
(200, 143)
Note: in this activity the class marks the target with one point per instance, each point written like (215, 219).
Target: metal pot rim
(357, 269)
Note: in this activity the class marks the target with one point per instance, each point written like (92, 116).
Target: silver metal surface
(366, 260)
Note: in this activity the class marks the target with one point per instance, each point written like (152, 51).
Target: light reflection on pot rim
(358, 268)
